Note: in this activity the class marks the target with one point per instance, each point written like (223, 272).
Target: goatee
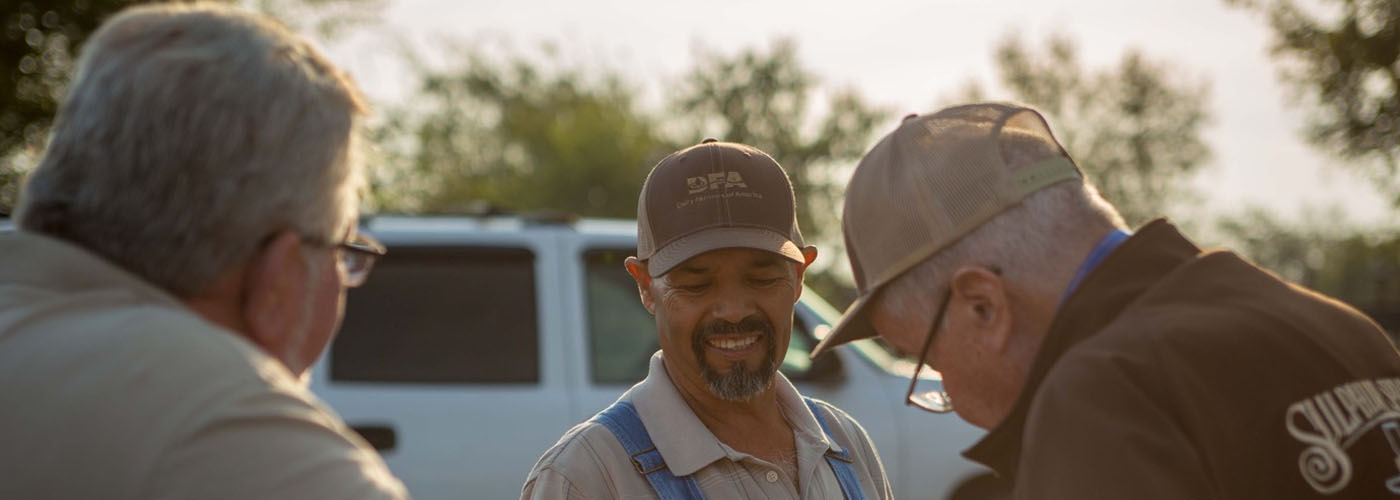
(742, 382)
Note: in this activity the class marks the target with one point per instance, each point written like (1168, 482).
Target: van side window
(622, 334)
(442, 315)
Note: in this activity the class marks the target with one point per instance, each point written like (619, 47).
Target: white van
(479, 340)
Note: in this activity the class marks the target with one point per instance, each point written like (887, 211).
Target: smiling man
(719, 263)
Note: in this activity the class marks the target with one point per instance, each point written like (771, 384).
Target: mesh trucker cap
(715, 195)
(932, 181)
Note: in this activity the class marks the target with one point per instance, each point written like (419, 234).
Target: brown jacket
(1176, 373)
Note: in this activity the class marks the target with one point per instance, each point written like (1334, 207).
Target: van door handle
(381, 437)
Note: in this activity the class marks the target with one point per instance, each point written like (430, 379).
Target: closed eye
(692, 287)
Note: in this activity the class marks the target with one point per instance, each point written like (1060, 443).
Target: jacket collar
(1142, 260)
(683, 440)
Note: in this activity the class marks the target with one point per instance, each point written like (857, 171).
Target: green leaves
(1344, 64)
(519, 135)
(531, 134)
(38, 45)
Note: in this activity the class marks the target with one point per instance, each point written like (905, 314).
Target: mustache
(754, 323)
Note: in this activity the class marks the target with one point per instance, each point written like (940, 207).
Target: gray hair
(1022, 242)
(190, 134)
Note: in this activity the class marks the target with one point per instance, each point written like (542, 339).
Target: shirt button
(771, 476)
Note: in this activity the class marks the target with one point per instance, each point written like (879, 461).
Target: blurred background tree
(520, 135)
(37, 47)
(1339, 59)
(1134, 128)
(1342, 62)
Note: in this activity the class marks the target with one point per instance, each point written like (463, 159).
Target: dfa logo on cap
(716, 180)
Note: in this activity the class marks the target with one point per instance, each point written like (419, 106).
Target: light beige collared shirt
(111, 388)
(590, 463)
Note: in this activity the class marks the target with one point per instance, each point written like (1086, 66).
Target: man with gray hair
(1105, 364)
(181, 260)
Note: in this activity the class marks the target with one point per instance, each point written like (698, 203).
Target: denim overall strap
(841, 463)
(621, 418)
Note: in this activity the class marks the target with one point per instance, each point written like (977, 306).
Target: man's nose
(735, 306)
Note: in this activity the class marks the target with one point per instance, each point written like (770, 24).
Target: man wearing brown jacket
(1105, 364)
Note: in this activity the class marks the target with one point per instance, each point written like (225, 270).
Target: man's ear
(981, 302)
(638, 269)
(275, 289)
(809, 255)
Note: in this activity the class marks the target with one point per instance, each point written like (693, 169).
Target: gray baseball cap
(930, 182)
(715, 195)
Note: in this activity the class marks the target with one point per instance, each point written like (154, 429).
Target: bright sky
(910, 55)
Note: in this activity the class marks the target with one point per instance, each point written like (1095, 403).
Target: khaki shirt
(589, 462)
(111, 388)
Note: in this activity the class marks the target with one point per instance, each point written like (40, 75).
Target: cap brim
(854, 325)
(705, 240)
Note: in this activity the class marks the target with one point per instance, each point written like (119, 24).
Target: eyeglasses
(354, 257)
(935, 400)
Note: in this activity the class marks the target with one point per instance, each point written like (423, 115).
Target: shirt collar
(1101, 250)
(684, 441)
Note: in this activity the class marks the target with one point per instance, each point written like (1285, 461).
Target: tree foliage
(1343, 60)
(1134, 128)
(38, 43)
(518, 135)
(528, 133)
